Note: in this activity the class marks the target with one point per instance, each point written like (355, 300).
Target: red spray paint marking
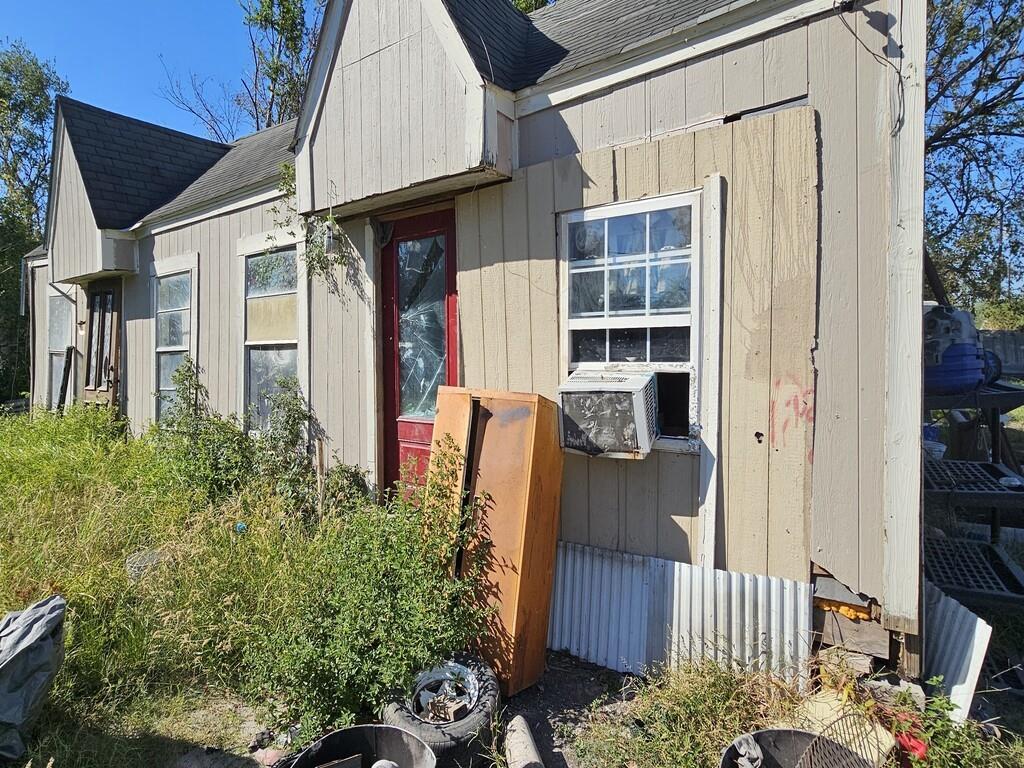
(791, 405)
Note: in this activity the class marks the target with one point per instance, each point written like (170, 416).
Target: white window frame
(187, 263)
(52, 292)
(257, 245)
(691, 319)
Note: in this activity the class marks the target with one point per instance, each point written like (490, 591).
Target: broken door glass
(422, 325)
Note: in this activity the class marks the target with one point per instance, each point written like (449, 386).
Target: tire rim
(451, 679)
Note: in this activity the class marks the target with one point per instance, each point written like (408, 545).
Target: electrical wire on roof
(843, 6)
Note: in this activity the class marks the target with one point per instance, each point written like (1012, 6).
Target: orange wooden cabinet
(512, 449)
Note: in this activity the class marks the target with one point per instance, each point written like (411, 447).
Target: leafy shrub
(207, 451)
(320, 613)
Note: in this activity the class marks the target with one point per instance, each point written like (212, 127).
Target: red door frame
(416, 432)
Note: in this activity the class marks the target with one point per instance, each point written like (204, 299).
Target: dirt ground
(557, 705)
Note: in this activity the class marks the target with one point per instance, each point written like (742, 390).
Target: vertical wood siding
(343, 342)
(73, 246)
(847, 86)
(508, 299)
(220, 278)
(394, 112)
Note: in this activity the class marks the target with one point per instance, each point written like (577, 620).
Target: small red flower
(912, 745)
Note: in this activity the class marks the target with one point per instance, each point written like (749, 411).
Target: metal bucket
(372, 743)
(784, 748)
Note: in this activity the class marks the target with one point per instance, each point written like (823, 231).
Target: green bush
(316, 605)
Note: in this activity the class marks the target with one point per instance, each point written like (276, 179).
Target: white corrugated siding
(627, 612)
(955, 644)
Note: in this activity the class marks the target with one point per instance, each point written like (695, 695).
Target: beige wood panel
(395, 102)
(642, 171)
(676, 169)
(677, 531)
(73, 249)
(750, 316)
(793, 287)
(598, 172)
(492, 290)
(270, 318)
(471, 319)
(835, 529)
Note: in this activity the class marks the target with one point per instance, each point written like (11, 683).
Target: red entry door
(420, 334)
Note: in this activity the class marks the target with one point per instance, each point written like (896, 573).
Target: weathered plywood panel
(705, 90)
(666, 91)
(793, 295)
(516, 259)
(39, 319)
(750, 316)
(785, 65)
(543, 280)
(492, 289)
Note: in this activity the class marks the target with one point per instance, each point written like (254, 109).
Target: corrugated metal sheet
(627, 612)
(955, 644)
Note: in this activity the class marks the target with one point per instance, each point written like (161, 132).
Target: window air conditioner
(607, 413)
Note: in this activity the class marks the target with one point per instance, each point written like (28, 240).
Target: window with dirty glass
(173, 333)
(631, 296)
(271, 329)
(60, 335)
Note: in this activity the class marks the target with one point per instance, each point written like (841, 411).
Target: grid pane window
(631, 282)
(271, 290)
(173, 333)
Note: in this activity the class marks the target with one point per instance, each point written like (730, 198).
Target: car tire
(461, 743)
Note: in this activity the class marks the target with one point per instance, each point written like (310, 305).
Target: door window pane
(167, 363)
(266, 367)
(271, 273)
(95, 334)
(108, 331)
(422, 324)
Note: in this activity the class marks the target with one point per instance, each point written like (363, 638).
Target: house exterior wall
(850, 90)
(220, 275)
(74, 239)
(397, 111)
(510, 335)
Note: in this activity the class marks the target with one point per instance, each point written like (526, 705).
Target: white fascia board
(451, 41)
(754, 20)
(245, 199)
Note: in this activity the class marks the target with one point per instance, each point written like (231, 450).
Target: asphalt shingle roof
(131, 167)
(250, 161)
(515, 51)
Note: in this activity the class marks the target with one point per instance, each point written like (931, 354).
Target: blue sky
(109, 50)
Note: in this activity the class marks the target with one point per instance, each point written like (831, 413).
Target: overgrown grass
(685, 718)
(682, 718)
(309, 599)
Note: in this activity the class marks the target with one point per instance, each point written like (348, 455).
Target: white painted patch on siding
(627, 613)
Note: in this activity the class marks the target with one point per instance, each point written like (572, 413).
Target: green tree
(28, 90)
(529, 6)
(282, 40)
(974, 167)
